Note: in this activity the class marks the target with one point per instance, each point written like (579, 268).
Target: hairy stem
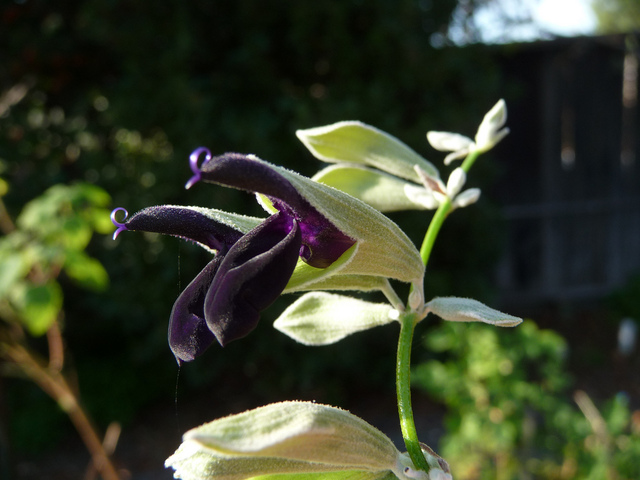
(403, 388)
(408, 322)
(392, 296)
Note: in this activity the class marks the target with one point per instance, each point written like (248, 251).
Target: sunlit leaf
(456, 309)
(357, 142)
(86, 271)
(300, 438)
(75, 233)
(319, 318)
(38, 305)
(382, 191)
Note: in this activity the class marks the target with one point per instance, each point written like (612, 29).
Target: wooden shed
(571, 184)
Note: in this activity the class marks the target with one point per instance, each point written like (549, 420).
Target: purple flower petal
(251, 276)
(252, 175)
(189, 335)
(323, 243)
(182, 222)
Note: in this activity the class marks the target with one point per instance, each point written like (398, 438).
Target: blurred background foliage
(101, 101)
(513, 412)
(116, 94)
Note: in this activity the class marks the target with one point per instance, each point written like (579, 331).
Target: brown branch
(111, 437)
(6, 224)
(55, 385)
(56, 346)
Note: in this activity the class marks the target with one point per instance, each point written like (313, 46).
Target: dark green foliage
(117, 93)
(511, 415)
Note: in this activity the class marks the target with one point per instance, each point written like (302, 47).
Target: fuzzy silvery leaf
(319, 318)
(466, 198)
(457, 309)
(305, 275)
(421, 196)
(383, 248)
(339, 475)
(283, 438)
(383, 192)
(457, 144)
(194, 461)
(449, 141)
(356, 142)
(456, 181)
(305, 278)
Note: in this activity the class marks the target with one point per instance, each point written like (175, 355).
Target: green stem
(441, 214)
(469, 161)
(433, 230)
(403, 387)
(407, 325)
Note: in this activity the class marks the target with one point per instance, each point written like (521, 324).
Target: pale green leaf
(100, 220)
(305, 275)
(319, 318)
(356, 142)
(86, 193)
(86, 271)
(458, 309)
(194, 461)
(448, 141)
(362, 283)
(13, 267)
(339, 475)
(383, 192)
(75, 233)
(298, 431)
(38, 305)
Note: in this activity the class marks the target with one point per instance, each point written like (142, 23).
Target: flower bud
(490, 131)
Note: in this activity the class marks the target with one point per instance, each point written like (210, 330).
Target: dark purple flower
(252, 265)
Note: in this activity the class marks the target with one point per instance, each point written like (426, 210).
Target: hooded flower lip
(322, 242)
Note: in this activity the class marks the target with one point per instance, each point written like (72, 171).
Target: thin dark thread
(179, 279)
(179, 366)
(176, 402)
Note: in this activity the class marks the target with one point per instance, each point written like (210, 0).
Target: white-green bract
(294, 441)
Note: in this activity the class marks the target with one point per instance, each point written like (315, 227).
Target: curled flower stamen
(195, 168)
(121, 226)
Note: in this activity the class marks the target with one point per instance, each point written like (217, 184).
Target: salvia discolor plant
(323, 234)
